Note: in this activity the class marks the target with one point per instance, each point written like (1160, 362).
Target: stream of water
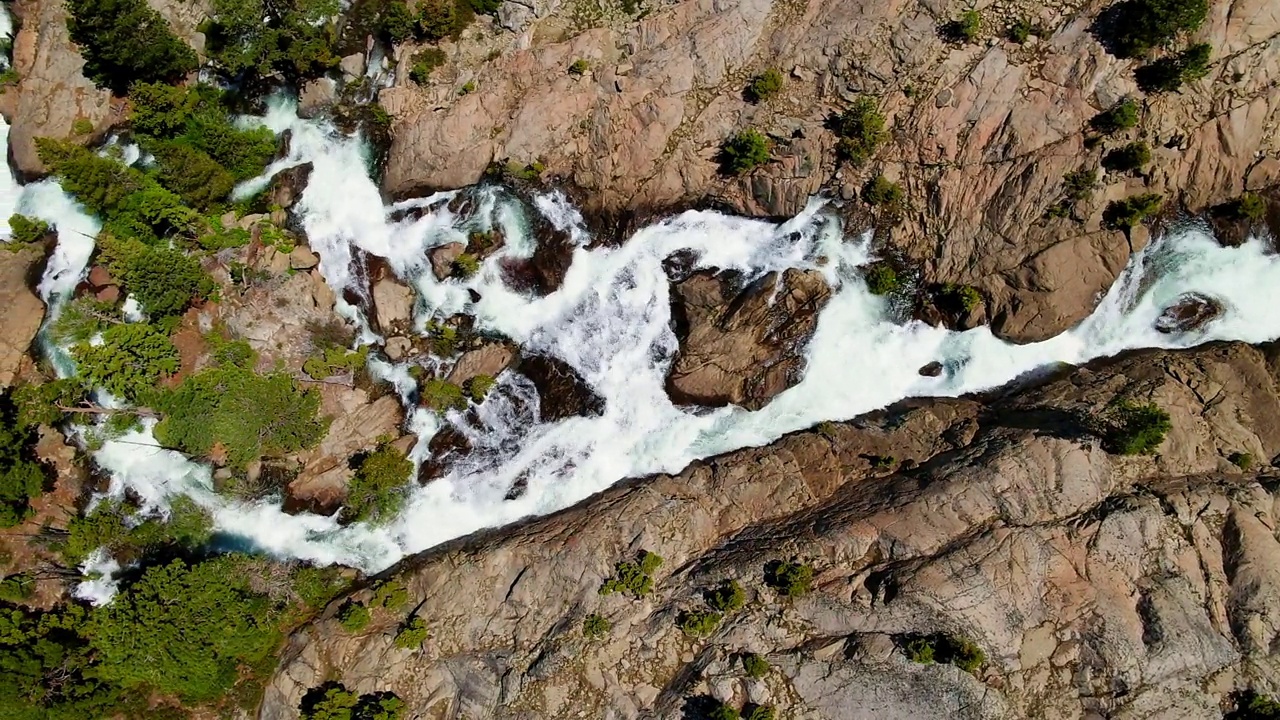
(610, 322)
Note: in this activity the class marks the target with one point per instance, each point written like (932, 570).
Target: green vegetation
(699, 623)
(1143, 25)
(185, 629)
(764, 86)
(579, 67)
(724, 712)
(378, 490)
(963, 298)
(761, 712)
(17, 588)
(251, 40)
(1252, 706)
(1132, 211)
(744, 152)
(166, 282)
(390, 595)
(117, 527)
(125, 41)
(332, 701)
(465, 265)
(353, 616)
(440, 19)
(965, 29)
(1130, 428)
(335, 360)
(1248, 207)
(958, 651)
(1020, 31)
(1122, 116)
(727, 598)
(1078, 185)
(442, 395)
(412, 634)
(82, 126)
(788, 578)
(26, 229)
(467, 88)
(755, 666)
(882, 279)
(635, 577)
(882, 462)
(424, 63)
(21, 476)
(595, 626)
(479, 386)
(1243, 460)
(1131, 157)
(129, 361)
(920, 650)
(882, 191)
(861, 130)
(247, 414)
(1167, 74)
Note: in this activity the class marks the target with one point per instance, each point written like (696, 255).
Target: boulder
(287, 185)
(393, 304)
(301, 258)
(562, 393)
(317, 96)
(442, 258)
(742, 346)
(1191, 311)
(489, 359)
(933, 369)
(398, 347)
(23, 310)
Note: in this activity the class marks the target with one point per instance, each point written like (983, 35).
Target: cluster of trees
(125, 41)
(22, 477)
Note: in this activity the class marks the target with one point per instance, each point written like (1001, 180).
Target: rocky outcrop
(490, 359)
(52, 93)
(1189, 312)
(23, 311)
(393, 304)
(982, 133)
(742, 345)
(1097, 585)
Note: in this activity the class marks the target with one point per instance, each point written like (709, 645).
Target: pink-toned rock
(490, 359)
(99, 277)
(23, 311)
(108, 294)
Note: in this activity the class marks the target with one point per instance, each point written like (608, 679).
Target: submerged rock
(933, 369)
(742, 347)
(1191, 311)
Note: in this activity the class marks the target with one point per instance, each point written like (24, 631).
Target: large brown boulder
(742, 346)
(982, 134)
(1095, 585)
(23, 311)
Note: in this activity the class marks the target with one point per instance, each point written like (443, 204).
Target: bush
(21, 477)
(1252, 706)
(17, 588)
(440, 19)
(379, 487)
(479, 386)
(164, 281)
(724, 712)
(1244, 461)
(1141, 25)
(1121, 117)
(412, 634)
(424, 63)
(1133, 156)
(397, 22)
(1170, 73)
(1078, 185)
(762, 712)
(115, 526)
(253, 39)
(964, 298)
(1249, 206)
(1124, 214)
(755, 665)
(882, 279)
(633, 577)
(699, 623)
(764, 86)
(49, 670)
(160, 110)
(25, 229)
(727, 598)
(191, 173)
(125, 41)
(1020, 31)
(353, 616)
(248, 414)
(920, 650)
(861, 130)
(961, 652)
(390, 595)
(744, 152)
(185, 629)
(790, 579)
(442, 395)
(1135, 429)
(579, 67)
(129, 362)
(595, 626)
(965, 29)
(99, 183)
(882, 191)
(330, 701)
(466, 265)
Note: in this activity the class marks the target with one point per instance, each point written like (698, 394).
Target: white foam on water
(610, 321)
(102, 583)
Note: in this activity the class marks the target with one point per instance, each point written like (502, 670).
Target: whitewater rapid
(610, 322)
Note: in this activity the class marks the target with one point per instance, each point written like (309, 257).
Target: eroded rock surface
(1097, 585)
(742, 345)
(23, 311)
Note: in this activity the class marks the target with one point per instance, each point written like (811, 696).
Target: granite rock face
(1096, 585)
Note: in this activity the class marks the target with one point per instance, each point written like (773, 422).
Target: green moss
(465, 266)
(479, 386)
(920, 650)
(1243, 460)
(442, 395)
(390, 595)
(963, 298)
(377, 493)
